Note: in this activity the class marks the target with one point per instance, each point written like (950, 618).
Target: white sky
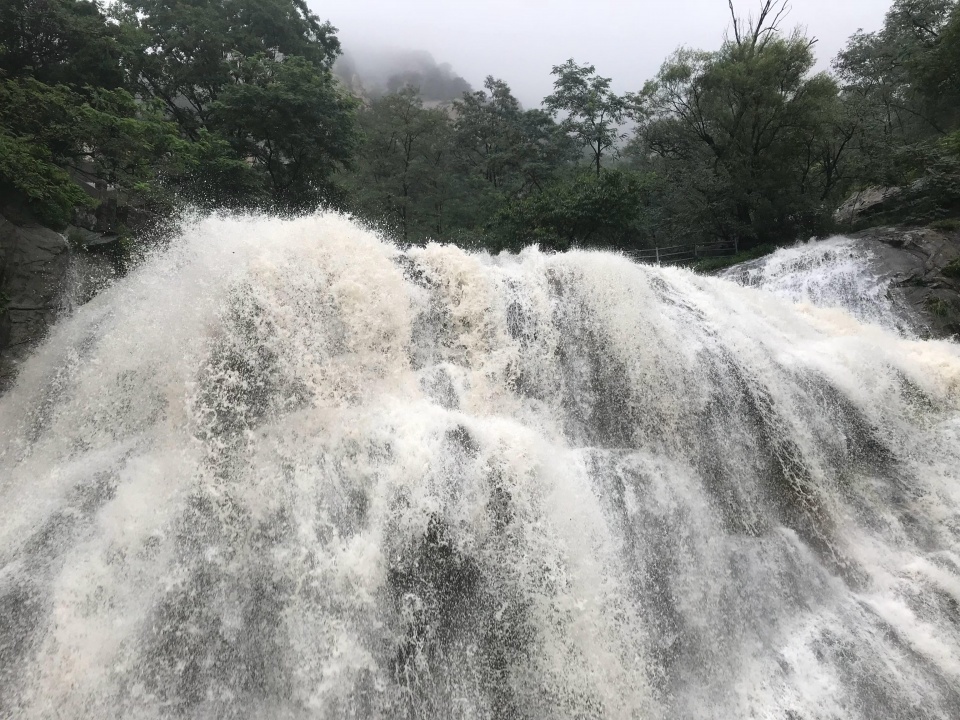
(520, 41)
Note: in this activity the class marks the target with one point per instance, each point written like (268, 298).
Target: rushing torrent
(287, 470)
(839, 272)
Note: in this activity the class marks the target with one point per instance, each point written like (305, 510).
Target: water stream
(286, 470)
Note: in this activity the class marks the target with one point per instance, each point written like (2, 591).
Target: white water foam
(286, 470)
(838, 272)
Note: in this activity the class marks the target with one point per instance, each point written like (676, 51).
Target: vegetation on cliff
(233, 104)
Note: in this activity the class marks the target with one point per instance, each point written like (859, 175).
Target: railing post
(658, 255)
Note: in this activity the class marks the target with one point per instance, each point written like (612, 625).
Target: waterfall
(839, 272)
(285, 469)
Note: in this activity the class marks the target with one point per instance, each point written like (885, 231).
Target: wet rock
(96, 260)
(919, 263)
(928, 198)
(33, 264)
(44, 273)
(866, 202)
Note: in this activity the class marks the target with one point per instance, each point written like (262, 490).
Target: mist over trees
(373, 72)
(745, 143)
(252, 104)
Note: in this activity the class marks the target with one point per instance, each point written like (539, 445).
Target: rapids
(839, 272)
(287, 470)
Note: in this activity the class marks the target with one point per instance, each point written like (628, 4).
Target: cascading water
(839, 272)
(285, 470)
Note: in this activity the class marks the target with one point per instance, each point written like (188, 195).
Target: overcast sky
(520, 40)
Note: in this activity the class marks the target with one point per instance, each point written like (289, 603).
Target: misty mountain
(372, 72)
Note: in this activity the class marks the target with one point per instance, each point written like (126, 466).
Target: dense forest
(234, 104)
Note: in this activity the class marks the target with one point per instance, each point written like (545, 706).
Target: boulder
(933, 196)
(923, 263)
(33, 264)
(866, 202)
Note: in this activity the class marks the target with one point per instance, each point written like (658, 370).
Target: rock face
(95, 262)
(865, 203)
(933, 196)
(43, 274)
(924, 264)
(33, 263)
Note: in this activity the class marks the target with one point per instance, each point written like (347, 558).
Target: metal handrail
(685, 253)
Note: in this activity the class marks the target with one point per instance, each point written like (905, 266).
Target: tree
(60, 42)
(402, 174)
(940, 74)
(66, 123)
(605, 210)
(512, 149)
(228, 103)
(52, 136)
(502, 151)
(292, 122)
(187, 51)
(897, 68)
(252, 78)
(28, 170)
(747, 128)
(904, 86)
(593, 113)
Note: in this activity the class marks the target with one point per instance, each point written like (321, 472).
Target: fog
(372, 71)
(520, 40)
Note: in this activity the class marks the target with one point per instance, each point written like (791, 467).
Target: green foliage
(293, 123)
(952, 270)
(223, 103)
(60, 42)
(585, 210)
(904, 83)
(403, 174)
(214, 177)
(231, 104)
(40, 127)
(745, 136)
(28, 170)
(185, 53)
(513, 150)
(432, 173)
(938, 306)
(941, 74)
(948, 224)
(248, 83)
(592, 112)
(950, 144)
(129, 144)
(54, 136)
